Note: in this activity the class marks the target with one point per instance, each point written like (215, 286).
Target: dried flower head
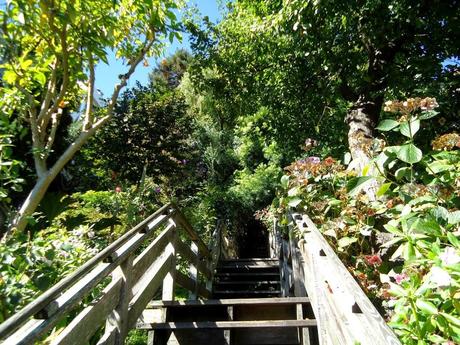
(446, 142)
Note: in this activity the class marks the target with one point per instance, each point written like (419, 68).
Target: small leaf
(357, 183)
(426, 307)
(410, 153)
(428, 114)
(387, 125)
(294, 202)
(383, 189)
(409, 129)
(346, 241)
(285, 181)
(453, 217)
(402, 172)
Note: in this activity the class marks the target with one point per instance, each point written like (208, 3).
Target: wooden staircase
(302, 294)
(247, 278)
(245, 309)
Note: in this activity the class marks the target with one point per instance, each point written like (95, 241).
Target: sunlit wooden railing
(130, 272)
(309, 266)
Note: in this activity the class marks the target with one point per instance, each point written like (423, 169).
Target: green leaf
(426, 307)
(451, 319)
(453, 217)
(346, 241)
(41, 78)
(9, 77)
(383, 189)
(409, 129)
(387, 125)
(410, 153)
(294, 202)
(438, 166)
(402, 172)
(285, 181)
(453, 239)
(428, 114)
(357, 183)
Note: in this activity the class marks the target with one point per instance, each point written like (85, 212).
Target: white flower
(440, 277)
(449, 256)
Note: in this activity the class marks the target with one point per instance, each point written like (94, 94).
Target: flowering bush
(403, 246)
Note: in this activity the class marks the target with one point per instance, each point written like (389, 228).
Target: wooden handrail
(135, 278)
(344, 313)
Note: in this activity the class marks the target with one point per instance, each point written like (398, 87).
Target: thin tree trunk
(41, 186)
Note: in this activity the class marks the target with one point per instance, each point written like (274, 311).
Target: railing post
(193, 271)
(119, 316)
(168, 281)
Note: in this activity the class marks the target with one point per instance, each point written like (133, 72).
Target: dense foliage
(215, 128)
(404, 246)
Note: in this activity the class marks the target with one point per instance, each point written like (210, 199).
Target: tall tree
(369, 47)
(51, 50)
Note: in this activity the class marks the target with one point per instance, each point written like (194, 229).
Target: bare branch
(88, 122)
(65, 78)
(54, 125)
(49, 95)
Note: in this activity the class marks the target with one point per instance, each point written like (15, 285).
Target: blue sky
(107, 75)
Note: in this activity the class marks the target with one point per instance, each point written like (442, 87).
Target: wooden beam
(229, 324)
(87, 322)
(334, 294)
(151, 253)
(190, 256)
(184, 224)
(150, 283)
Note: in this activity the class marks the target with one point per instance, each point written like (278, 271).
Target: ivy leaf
(387, 125)
(409, 153)
(453, 217)
(409, 129)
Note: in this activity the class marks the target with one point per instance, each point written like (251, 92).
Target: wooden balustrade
(129, 272)
(344, 313)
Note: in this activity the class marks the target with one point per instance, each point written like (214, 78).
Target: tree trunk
(41, 186)
(362, 118)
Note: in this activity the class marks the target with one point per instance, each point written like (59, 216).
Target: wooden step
(247, 275)
(248, 282)
(230, 302)
(228, 324)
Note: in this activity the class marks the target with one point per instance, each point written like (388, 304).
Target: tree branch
(88, 122)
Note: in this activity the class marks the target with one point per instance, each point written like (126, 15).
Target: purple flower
(184, 161)
(314, 160)
(157, 190)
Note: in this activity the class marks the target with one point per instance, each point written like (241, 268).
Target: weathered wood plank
(149, 284)
(193, 272)
(379, 332)
(109, 337)
(190, 256)
(168, 281)
(229, 324)
(118, 318)
(232, 301)
(151, 253)
(182, 222)
(87, 322)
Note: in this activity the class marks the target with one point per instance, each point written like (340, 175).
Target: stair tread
(246, 291)
(229, 324)
(230, 282)
(231, 301)
(262, 274)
